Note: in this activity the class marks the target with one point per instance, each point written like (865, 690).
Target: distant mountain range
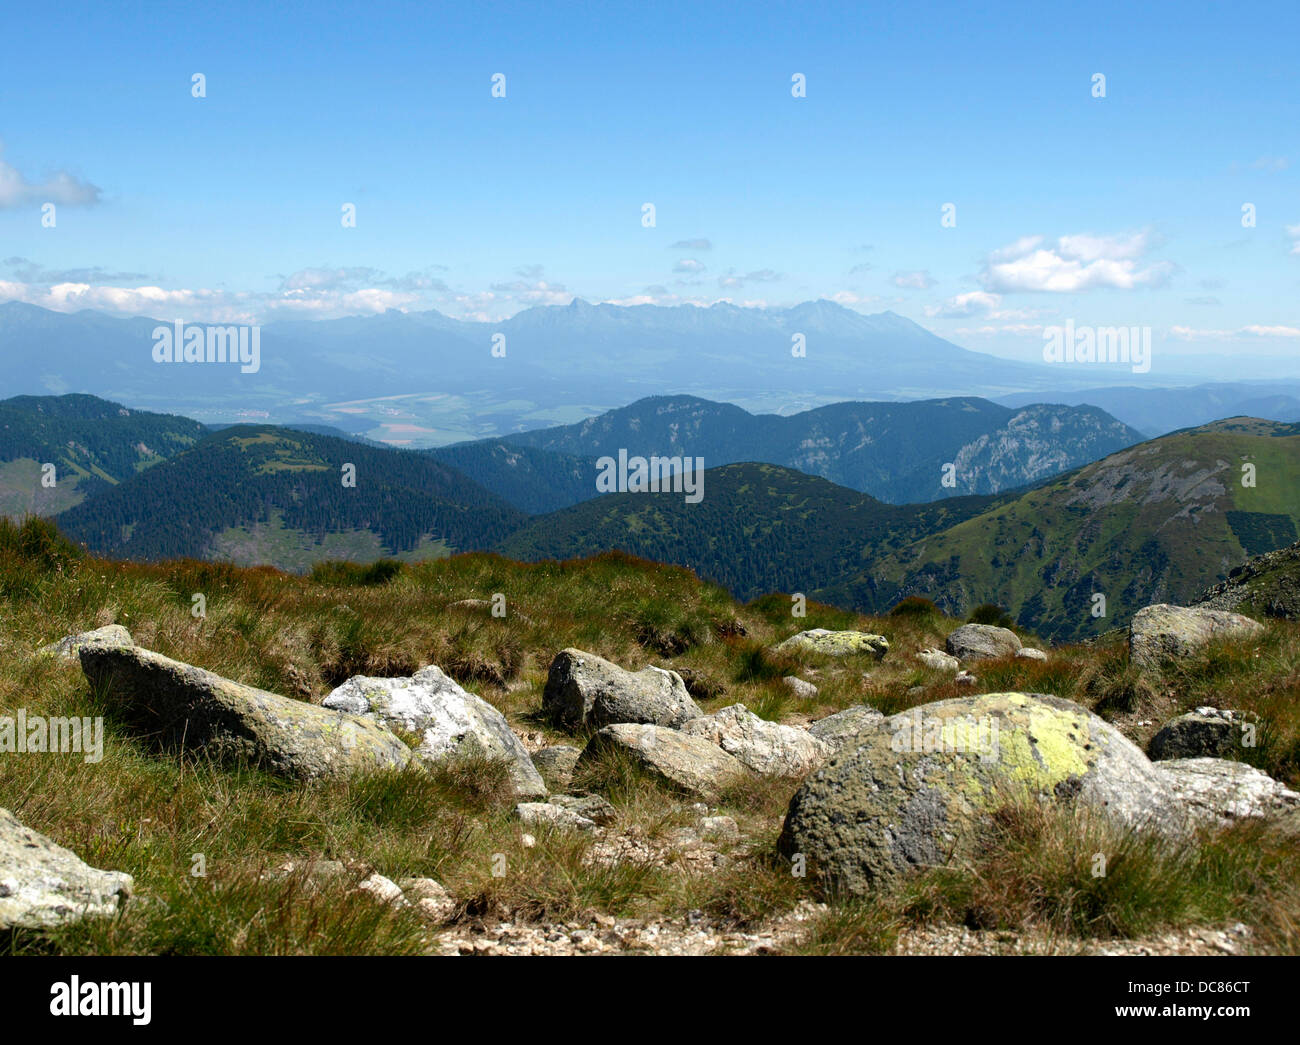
(423, 379)
(1159, 520)
(897, 452)
(1158, 411)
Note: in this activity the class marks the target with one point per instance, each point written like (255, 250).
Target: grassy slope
(1148, 524)
(265, 494)
(758, 528)
(149, 816)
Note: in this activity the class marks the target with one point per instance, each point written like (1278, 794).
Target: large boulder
(835, 643)
(689, 765)
(1204, 733)
(917, 790)
(765, 747)
(43, 885)
(69, 647)
(840, 728)
(1217, 792)
(180, 706)
(982, 642)
(1161, 633)
(586, 691)
(451, 722)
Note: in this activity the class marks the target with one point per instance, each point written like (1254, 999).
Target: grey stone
(840, 728)
(1203, 733)
(982, 642)
(586, 691)
(556, 763)
(765, 747)
(181, 706)
(938, 660)
(43, 885)
(1217, 792)
(452, 723)
(1163, 632)
(69, 647)
(595, 808)
(689, 765)
(800, 687)
(544, 814)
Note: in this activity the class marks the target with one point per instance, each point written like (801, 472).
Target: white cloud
(973, 303)
(60, 187)
(1294, 232)
(921, 280)
(692, 244)
(1073, 263)
(689, 265)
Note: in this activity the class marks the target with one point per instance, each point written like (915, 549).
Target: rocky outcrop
(683, 763)
(452, 723)
(982, 642)
(586, 691)
(915, 791)
(1269, 583)
(43, 885)
(1162, 633)
(179, 706)
(765, 747)
(835, 643)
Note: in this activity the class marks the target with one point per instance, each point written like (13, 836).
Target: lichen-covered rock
(1029, 653)
(556, 763)
(1204, 733)
(180, 706)
(452, 723)
(689, 765)
(43, 885)
(1217, 792)
(69, 647)
(938, 660)
(835, 643)
(767, 748)
(841, 727)
(982, 642)
(917, 790)
(586, 691)
(1163, 632)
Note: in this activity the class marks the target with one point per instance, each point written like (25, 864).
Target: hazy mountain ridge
(896, 452)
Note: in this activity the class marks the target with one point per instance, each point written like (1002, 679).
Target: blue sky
(1122, 210)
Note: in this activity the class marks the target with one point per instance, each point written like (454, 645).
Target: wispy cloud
(921, 280)
(60, 188)
(692, 244)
